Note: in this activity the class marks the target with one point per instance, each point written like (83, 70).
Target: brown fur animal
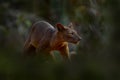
(45, 38)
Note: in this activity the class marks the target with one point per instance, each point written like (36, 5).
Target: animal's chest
(57, 47)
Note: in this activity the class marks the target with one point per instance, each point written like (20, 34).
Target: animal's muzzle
(79, 38)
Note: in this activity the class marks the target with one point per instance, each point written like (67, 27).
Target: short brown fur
(45, 38)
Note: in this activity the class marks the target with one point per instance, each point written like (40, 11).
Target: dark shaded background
(98, 54)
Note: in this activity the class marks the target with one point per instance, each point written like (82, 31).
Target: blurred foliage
(97, 56)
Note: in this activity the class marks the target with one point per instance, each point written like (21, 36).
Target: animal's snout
(77, 41)
(79, 38)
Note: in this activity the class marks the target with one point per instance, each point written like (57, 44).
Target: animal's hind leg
(30, 50)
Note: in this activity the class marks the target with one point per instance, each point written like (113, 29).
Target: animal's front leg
(64, 51)
(53, 56)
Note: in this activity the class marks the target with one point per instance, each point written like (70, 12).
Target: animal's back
(42, 31)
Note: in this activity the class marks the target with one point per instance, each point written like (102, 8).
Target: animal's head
(68, 33)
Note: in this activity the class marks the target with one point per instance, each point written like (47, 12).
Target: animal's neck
(57, 39)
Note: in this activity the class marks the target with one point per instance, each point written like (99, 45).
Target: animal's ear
(70, 25)
(60, 27)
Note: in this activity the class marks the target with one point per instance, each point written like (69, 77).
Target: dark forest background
(97, 56)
